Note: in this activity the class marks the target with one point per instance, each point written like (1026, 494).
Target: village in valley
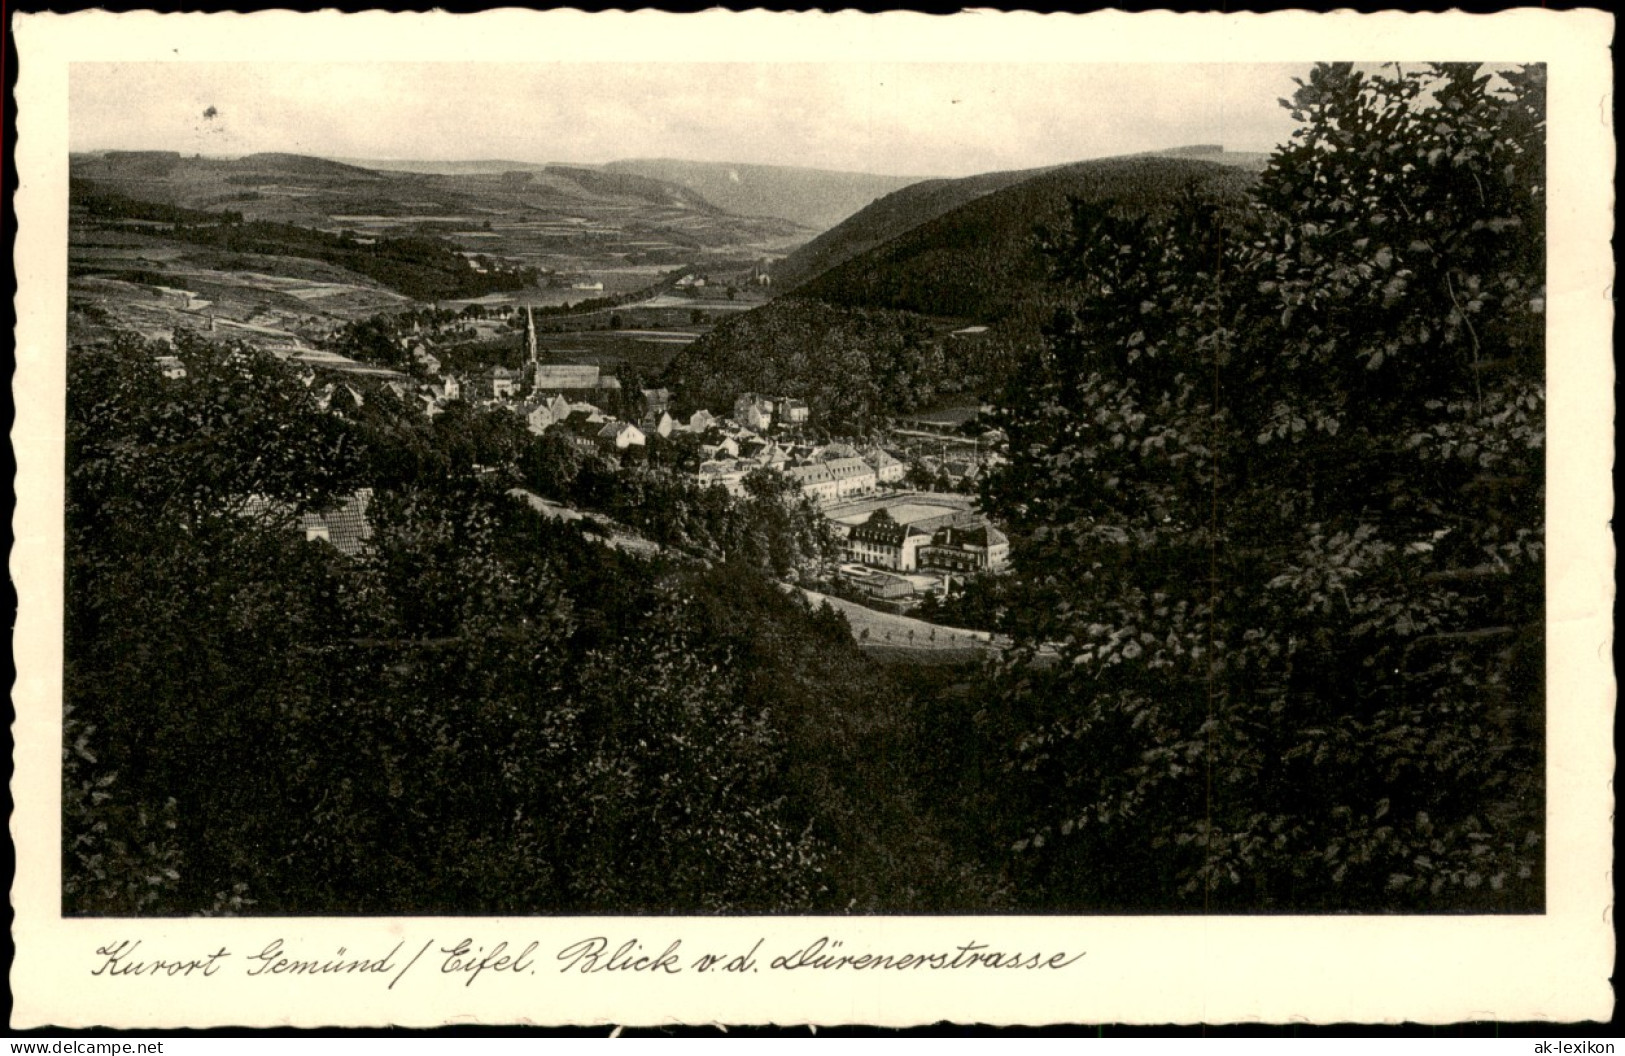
(900, 501)
(459, 537)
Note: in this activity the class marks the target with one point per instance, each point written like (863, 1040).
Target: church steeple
(528, 369)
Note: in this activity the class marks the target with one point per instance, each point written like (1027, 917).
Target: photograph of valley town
(804, 489)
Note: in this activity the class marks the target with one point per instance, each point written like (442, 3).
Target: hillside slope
(943, 309)
(910, 207)
(978, 261)
(888, 217)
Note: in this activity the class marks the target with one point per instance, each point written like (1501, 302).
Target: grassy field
(887, 634)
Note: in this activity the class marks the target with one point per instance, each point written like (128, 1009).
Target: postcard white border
(1554, 966)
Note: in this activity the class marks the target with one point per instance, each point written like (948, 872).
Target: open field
(904, 507)
(153, 249)
(883, 630)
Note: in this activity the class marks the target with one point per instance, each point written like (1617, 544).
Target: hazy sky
(913, 119)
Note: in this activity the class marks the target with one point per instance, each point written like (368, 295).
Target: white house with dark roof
(446, 389)
(500, 383)
(621, 435)
(815, 481)
(538, 416)
(888, 470)
(753, 412)
(661, 424)
(343, 525)
(852, 476)
(726, 472)
(656, 401)
(793, 412)
(966, 548)
(726, 447)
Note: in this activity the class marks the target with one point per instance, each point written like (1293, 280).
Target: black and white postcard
(639, 518)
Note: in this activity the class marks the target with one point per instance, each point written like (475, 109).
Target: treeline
(420, 266)
(853, 367)
(485, 712)
(101, 203)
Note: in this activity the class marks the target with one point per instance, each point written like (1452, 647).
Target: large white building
(885, 542)
(966, 548)
(815, 481)
(852, 476)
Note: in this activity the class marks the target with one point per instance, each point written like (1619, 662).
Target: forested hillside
(896, 213)
(850, 365)
(980, 261)
(869, 338)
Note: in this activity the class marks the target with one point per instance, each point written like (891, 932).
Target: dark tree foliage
(852, 366)
(182, 614)
(1279, 475)
(772, 528)
(483, 712)
(977, 261)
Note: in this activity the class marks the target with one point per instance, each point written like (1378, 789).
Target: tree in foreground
(1279, 477)
(481, 712)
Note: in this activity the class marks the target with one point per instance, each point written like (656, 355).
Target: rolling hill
(943, 309)
(979, 261)
(908, 208)
(896, 214)
(295, 245)
(815, 199)
(604, 207)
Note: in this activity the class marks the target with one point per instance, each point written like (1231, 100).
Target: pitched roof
(979, 536)
(614, 430)
(881, 529)
(881, 460)
(816, 473)
(346, 523)
(847, 468)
